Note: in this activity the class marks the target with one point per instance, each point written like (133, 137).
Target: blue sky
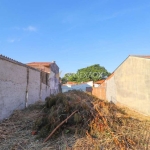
(74, 33)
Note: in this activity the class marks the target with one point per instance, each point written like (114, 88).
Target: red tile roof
(71, 83)
(40, 63)
(99, 82)
(110, 76)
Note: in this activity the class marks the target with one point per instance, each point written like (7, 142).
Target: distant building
(71, 83)
(73, 86)
(53, 70)
(43, 66)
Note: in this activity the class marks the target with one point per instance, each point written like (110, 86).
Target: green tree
(63, 80)
(69, 77)
(91, 73)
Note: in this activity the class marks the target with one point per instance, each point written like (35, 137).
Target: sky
(74, 33)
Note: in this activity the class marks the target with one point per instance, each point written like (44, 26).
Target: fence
(99, 92)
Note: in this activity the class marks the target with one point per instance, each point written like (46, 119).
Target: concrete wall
(132, 81)
(20, 86)
(13, 81)
(45, 91)
(111, 89)
(81, 86)
(34, 89)
(54, 79)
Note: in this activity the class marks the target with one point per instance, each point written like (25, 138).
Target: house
(53, 70)
(43, 66)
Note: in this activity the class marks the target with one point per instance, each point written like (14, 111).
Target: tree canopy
(91, 73)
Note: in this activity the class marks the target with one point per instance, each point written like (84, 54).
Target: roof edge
(16, 62)
(141, 56)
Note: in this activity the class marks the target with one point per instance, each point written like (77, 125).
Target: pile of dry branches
(104, 124)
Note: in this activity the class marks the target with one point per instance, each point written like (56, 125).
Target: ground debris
(96, 125)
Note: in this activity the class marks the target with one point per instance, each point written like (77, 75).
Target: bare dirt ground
(16, 132)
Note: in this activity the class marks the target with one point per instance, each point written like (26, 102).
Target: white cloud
(13, 40)
(30, 28)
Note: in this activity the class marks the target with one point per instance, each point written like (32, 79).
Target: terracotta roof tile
(110, 76)
(71, 83)
(100, 81)
(39, 63)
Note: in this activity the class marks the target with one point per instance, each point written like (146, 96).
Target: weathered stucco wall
(12, 87)
(21, 85)
(34, 91)
(111, 89)
(132, 80)
(45, 92)
(54, 83)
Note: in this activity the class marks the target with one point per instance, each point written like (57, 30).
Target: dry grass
(134, 114)
(110, 127)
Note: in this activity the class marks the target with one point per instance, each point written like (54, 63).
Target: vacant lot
(106, 126)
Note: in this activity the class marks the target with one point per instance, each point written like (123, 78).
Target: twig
(59, 126)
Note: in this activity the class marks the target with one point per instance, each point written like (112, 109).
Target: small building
(53, 70)
(42, 66)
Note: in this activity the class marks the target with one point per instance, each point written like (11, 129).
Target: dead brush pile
(104, 124)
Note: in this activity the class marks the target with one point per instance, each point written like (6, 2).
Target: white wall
(96, 85)
(82, 86)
